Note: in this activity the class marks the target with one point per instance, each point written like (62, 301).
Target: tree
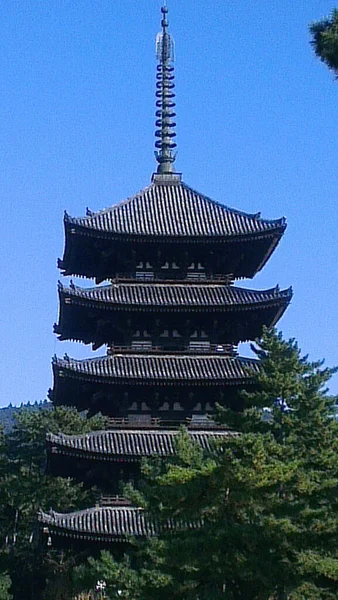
(258, 518)
(25, 488)
(325, 40)
(5, 584)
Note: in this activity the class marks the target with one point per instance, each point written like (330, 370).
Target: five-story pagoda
(170, 318)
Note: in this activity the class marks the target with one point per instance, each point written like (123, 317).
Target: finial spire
(165, 96)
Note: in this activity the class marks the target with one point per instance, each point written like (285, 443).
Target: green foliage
(5, 584)
(325, 40)
(256, 519)
(25, 488)
(126, 578)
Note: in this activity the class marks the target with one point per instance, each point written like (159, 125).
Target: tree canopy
(25, 488)
(255, 518)
(325, 40)
(258, 517)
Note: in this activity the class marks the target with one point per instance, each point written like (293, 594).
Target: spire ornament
(165, 95)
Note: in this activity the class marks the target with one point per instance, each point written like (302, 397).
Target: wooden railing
(169, 276)
(197, 421)
(223, 349)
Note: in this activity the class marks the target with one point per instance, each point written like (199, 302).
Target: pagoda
(167, 311)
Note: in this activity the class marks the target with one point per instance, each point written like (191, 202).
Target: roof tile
(109, 522)
(171, 208)
(132, 443)
(187, 368)
(175, 295)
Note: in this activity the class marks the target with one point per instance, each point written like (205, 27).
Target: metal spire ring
(165, 96)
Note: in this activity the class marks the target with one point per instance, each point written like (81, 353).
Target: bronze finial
(165, 99)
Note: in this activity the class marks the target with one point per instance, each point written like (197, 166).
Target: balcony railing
(170, 276)
(196, 348)
(139, 421)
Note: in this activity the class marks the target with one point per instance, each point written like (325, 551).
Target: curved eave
(68, 264)
(108, 524)
(128, 445)
(246, 299)
(271, 303)
(168, 207)
(142, 370)
(71, 229)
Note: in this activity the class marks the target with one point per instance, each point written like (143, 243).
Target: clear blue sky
(257, 130)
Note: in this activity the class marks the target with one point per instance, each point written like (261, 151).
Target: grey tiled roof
(129, 443)
(174, 295)
(168, 207)
(107, 523)
(170, 368)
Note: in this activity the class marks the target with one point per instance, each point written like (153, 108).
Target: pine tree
(325, 40)
(256, 519)
(25, 488)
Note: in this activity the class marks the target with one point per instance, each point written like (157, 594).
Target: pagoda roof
(102, 523)
(129, 444)
(168, 296)
(170, 208)
(169, 368)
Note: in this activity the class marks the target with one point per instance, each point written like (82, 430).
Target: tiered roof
(169, 296)
(129, 444)
(170, 210)
(101, 523)
(151, 368)
(90, 315)
(108, 524)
